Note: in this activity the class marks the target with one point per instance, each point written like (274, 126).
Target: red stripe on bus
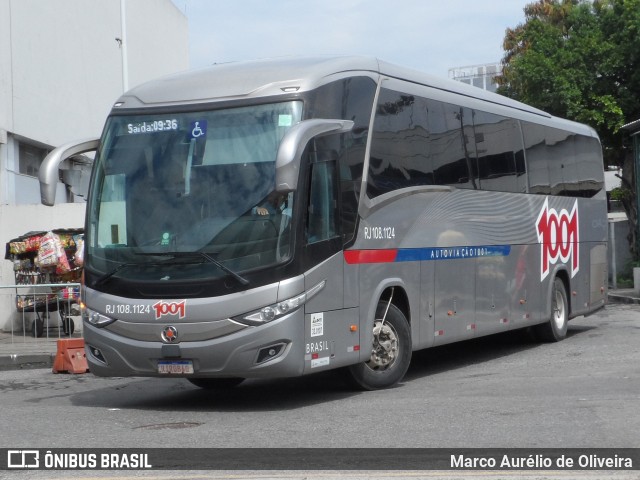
(353, 257)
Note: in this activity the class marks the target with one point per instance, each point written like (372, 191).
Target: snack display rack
(49, 266)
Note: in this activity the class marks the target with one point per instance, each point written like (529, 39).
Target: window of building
(30, 158)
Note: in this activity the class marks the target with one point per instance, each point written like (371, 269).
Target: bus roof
(277, 76)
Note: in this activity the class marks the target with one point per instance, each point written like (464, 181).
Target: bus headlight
(94, 318)
(272, 312)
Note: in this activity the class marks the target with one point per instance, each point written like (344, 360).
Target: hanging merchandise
(53, 259)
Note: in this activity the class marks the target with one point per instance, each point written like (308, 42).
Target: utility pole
(123, 46)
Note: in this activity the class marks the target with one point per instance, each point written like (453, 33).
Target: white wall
(5, 59)
(66, 68)
(158, 45)
(66, 65)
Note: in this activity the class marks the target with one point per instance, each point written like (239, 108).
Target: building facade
(61, 69)
(481, 76)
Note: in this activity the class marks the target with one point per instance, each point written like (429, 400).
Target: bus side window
(322, 210)
(454, 159)
(498, 140)
(537, 157)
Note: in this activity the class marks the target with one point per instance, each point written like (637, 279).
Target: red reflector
(314, 356)
(370, 256)
(356, 348)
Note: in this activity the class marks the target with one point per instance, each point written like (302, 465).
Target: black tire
(387, 366)
(37, 328)
(216, 383)
(556, 328)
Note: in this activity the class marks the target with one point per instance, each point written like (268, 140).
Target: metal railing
(42, 308)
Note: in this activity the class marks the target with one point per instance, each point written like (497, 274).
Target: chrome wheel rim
(385, 347)
(559, 309)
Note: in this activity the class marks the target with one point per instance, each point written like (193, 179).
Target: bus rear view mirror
(48, 173)
(293, 144)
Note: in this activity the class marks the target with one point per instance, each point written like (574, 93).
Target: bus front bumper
(273, 350)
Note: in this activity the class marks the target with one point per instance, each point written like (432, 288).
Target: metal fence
(47, 310)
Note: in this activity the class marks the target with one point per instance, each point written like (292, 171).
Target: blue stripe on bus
(452, 253)
(424, 254)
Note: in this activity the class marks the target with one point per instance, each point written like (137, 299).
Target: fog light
(269, 353)
(96, 353)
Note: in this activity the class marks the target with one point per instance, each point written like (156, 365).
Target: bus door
(329, 339)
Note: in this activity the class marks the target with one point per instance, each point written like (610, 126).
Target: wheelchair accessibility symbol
(198, 129)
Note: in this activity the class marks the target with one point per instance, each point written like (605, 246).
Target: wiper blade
(102, 279)
(208, 258)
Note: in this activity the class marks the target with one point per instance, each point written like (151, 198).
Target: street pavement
(19, 350)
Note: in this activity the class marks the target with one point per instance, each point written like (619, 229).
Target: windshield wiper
(102, 279)
(108, 275)
(207, 257)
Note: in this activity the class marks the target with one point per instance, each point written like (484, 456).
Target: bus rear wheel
(556, 328)
(390, 351)
(216, 383)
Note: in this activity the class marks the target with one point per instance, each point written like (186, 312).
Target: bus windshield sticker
(285, 120)
(198, 128)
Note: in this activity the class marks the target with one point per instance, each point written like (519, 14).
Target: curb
(26, 361)
(615, 298)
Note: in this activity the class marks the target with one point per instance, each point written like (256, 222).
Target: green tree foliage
(580, 59)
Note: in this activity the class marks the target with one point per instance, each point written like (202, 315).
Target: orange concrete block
(70, 356)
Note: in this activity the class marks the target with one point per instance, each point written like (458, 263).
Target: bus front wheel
(390, 351)
(556, 328)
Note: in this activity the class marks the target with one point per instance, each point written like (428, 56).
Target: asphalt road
(501, 391)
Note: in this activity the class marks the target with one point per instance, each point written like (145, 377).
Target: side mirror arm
(48, 173)
(293, 144)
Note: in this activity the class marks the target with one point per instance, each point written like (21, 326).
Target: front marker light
(272, 312)
(94, 318)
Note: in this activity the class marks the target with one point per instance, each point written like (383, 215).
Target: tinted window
(321, 218)
(499, 149)
(400, 144)
(348, 99)
(536, 157)
(449, 147)
(419, 141)
(589, 159)
(562, 163)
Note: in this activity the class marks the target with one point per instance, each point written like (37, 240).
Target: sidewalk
(22, 352)
(624, 296)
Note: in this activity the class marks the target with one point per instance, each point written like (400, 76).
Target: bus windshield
(175, 195)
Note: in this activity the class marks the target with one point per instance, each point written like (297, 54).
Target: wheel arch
(399, 298)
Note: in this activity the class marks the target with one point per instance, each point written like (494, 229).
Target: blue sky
(427, 35)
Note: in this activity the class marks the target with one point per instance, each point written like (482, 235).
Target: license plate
(175, 367)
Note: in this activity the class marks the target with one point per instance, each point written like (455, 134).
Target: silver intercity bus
(279, 218)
